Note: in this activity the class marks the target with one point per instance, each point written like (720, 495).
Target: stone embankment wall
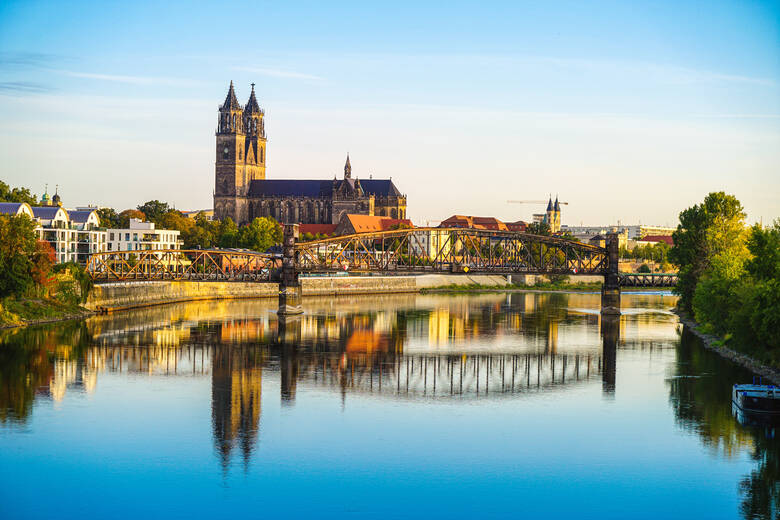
(126, 295)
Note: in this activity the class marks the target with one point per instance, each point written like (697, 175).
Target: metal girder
(164, 264)
(647, 280)
(450, 250)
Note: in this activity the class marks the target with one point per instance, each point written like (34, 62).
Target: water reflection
(700, 394)
(405, 348)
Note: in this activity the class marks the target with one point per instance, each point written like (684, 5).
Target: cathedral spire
(252, 106)
(347, 168)
(231, 101)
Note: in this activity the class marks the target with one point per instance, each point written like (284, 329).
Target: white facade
(634, 232)
(430, 242)
(142, 236)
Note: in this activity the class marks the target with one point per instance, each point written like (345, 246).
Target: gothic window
(261, 154)
(240, 154)
(234, 121)
(393, 213)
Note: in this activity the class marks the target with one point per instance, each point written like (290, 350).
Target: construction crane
(532, 202)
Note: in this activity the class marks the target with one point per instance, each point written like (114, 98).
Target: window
(111, 236)
(127, 237)
(135, 237)
(109, 247)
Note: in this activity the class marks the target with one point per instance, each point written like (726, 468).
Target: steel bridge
(417, 250)
(402, 251)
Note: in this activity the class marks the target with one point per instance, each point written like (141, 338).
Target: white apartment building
(76, 234)
(142, 236)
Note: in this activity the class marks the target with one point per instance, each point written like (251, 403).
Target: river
(499, 405)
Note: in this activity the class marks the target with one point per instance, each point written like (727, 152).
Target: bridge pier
(289, 285)
(610, 333)
(610, 291)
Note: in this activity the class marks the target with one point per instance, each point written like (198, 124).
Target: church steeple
(347, 169)
(231, 101)
(253, 116)
(230, 114)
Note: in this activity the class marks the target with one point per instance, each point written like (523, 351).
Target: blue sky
(630, 111)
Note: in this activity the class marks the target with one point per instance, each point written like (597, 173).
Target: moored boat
(757, 398)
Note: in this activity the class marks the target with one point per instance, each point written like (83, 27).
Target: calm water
(406, 406)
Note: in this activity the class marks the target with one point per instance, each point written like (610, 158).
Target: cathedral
(242, 192)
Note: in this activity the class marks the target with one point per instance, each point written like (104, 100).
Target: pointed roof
(347, 168)
(550, 204)
(231, 101)
(252, 106)
(557, 206)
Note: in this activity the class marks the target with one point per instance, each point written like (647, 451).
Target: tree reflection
(700, 394)
(27, 364)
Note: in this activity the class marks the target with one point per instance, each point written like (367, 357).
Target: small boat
(757, 398)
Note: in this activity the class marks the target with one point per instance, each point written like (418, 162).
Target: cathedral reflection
(236, 391)
(485, 346)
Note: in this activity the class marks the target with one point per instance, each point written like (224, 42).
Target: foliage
(154, 210)
(79, 275)
(734, 282)
(8, 194)
(126, 215)
(713, 228)
(658, 252)
(108, 218)
(19, 252)
(260, 234)
(538, 228)
(644, 268)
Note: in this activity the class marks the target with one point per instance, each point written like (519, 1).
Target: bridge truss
(452, 250)
(202, 265)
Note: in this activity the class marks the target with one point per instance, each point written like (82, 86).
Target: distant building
(73, 235)
(552, 216)
(142, 236)
(352, 224)
(655, 239)
(471, 222)
(208, 214)
(16, 208)
(318, 229)
(242, 192)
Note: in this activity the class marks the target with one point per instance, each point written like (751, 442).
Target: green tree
(227, 233)
(260, 234)
(108, 218)
(538, 228)
(8, 194)
(764, 245)
(126, 215)
(18, 251)
(707, 230)
(154, 210)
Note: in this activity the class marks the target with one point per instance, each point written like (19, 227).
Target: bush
(644, 268)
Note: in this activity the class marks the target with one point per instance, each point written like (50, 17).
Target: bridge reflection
(405, 347)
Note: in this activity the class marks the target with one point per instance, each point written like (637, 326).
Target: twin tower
(241, 147)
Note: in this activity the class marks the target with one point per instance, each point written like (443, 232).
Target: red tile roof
(658, 238)
(317, 229)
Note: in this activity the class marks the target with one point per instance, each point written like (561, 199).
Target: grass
(15, 312)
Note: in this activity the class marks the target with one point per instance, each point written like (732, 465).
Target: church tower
(254, 157)
(231, 179)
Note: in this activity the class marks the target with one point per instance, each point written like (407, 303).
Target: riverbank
(716, 344)
(21, 313)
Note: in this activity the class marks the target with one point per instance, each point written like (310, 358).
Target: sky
(628, 111)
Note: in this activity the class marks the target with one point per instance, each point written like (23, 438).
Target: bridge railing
(175, 264)
(450, 250)
(647, 279)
